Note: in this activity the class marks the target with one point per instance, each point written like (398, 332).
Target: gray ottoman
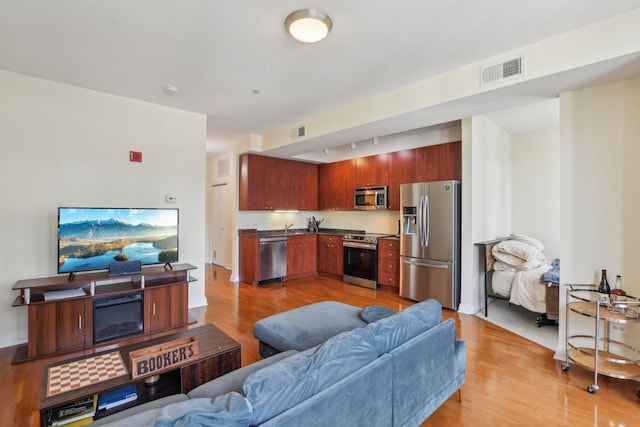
(305, 327)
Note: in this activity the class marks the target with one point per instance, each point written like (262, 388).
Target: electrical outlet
(618, 328)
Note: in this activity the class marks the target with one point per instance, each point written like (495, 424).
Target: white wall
(535, 191)
(67, 146)
(600, 184)
(486, 198)
(220, 209)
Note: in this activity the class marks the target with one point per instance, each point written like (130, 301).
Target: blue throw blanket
(552, 275)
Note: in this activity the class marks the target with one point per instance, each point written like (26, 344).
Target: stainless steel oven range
(361, 259)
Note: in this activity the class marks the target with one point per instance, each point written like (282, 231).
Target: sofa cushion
(288, 382)
(230, 409)
(374, 313)
(233, 380)
(397, 329)
(307, 326)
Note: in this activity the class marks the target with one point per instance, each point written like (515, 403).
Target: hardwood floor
(510, 380)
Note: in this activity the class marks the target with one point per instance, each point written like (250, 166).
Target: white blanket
(528, 291)
(501, 282)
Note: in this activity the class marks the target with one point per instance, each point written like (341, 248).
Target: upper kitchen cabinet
(402, 170)
(439, 162)
(371, 171)
(303, 181)
(335, 185)
(260, 183)
(267, 183)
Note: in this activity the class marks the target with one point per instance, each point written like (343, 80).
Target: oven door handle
(359, 245)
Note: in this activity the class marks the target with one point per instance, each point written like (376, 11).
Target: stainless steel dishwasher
(273, 258)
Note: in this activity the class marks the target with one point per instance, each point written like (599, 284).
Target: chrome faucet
(287, 227)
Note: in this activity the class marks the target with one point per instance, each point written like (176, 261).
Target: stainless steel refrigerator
(430, 242)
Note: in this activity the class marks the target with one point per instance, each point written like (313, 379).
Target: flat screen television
(92, 238)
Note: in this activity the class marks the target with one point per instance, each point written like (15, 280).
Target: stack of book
(117, 396)
(73, 414)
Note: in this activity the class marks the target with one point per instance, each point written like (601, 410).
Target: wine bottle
(604, 290)
(617, 289)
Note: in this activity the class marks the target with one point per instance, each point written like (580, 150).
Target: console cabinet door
(166, 307)
(57, 326)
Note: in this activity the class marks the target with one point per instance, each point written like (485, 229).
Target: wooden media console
(61, 310)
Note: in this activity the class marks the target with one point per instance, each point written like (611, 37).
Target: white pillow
(515, 252)
(530, 240)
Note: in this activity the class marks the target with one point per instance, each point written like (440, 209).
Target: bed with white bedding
(516, 269)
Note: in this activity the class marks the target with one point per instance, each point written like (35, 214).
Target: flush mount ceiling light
(171, 90)
(308, 25)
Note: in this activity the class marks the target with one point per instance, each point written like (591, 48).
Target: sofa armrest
(233, 380)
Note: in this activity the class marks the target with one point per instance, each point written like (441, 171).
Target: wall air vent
(502, 71)
(298, 132)
(224, 167)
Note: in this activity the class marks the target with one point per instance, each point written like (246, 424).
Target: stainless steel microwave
(370, 198)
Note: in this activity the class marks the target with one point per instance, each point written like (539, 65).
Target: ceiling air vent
(501, 71)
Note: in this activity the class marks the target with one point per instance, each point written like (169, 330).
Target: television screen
(93, 238)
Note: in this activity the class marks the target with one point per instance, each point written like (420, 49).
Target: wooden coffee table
(218, 354)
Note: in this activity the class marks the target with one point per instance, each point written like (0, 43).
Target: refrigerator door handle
(427, 221)
(425, 264)
(419, 220)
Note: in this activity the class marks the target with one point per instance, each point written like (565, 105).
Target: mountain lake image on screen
(93, 238)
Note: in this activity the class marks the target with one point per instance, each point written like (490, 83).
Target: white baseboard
(202, 301)
(468, 308)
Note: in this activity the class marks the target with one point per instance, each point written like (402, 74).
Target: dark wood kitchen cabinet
(249, 259)
(302, 178)
(389, 262)
(439, 162)
(371, 171)
(335, 185)
(330, 256)
(402, 170)
(302, 256)
(260, 183)
(268, 183)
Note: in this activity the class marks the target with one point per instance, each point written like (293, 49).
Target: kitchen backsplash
(372, 221)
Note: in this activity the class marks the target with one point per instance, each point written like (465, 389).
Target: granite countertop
(295, 232)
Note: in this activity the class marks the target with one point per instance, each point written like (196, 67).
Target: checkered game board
(81, 373)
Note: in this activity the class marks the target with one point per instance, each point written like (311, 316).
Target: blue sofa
(395, 371)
